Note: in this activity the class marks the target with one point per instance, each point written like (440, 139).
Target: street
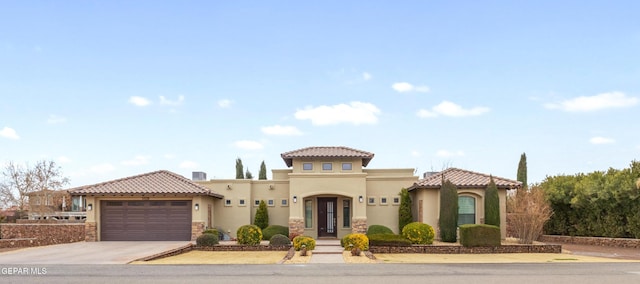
(584, 273)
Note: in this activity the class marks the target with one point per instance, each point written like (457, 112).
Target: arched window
(466, 210)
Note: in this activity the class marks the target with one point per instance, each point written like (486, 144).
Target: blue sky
(110, 89)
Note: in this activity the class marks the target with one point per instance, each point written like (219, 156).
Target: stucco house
(325, 192)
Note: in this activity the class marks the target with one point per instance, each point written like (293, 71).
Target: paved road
(584, 273)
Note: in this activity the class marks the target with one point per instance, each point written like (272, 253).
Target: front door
(327, 220)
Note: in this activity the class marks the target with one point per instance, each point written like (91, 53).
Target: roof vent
(428, 174)
(198, 176)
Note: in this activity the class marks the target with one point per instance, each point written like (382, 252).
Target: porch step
(328, 247)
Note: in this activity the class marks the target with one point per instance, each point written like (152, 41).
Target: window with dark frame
(307, 166)
(346, 213)
(347, 166)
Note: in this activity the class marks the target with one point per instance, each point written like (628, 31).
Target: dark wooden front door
(327, 220)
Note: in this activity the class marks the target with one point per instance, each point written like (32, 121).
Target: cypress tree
(522, 170)
(448, 212)
(262, 216)
(405, 215)
(239, 168)
(248, 174)
(492, 204)
(263, 171)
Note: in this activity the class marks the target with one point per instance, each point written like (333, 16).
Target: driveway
(88, 253)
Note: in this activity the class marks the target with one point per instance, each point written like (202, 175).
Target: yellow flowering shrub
(307, 241)
(419, 233)
(351, 241)
(249, 235)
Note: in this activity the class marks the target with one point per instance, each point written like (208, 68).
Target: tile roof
(158, 182)
(463, 179)
(327, 152)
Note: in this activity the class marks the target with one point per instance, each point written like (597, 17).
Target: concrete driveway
(88, 253)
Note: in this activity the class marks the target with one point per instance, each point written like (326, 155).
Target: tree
(532, 211)
(405, 215)
(239, 169)
(262, 216)
(448, 212)
(248, 174)
(19, 181)
(522, 171)
(263, 171)
(492, 204)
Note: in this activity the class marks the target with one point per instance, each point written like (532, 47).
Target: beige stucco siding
(277, 192)
(381, 187)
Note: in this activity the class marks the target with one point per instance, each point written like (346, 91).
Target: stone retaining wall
(243, 248)
(592, 241)
(431, 249)
(31, 235)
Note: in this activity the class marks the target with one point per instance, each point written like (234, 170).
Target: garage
(145, 220)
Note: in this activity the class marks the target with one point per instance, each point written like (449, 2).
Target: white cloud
(102, 168)
(248, 145)
(601, 140)
(64, 160)
(594, 103)
(224, 103)
(281, 130)
(55, 119)
(10, 133)
(366, 76)
(188, 165)
(404, 87)
(447, 108)
(355, 113)
(169, 156)
(415, 153)
(448, 154)
(165, 101)
(139, 101)
(137, 161)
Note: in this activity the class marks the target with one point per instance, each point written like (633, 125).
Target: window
(327, 166)
(308, 211)
(242, 202)
(270, 202)
(371, 201)
(227, 202)
(346, 213)
(466, 210)
(256, 202)
(307, 166)
(284, 202)
(396, 200)
(347, 166)
(383, 201)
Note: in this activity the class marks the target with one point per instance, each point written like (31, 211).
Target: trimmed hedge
(479, 235)
(249, 235)
(390, 240)
(279, 240)
(207, 240)
(419, 233)
(352, 241)
(378, 229)
(307, 241)
(273, 230)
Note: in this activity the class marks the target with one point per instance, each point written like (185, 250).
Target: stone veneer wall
(593, 241)
(196, 230)
(359, 225)
(433, 249)
(31, 235)
(296, 227)
(91, 231)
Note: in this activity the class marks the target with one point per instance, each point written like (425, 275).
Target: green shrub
(480, 235)
(418, 233)
(272, 230)
(351, 241)
(211, 231)
(492, 204)
(448, 212)
(249, 235)
(378, 229)
(405, 215)
(307, 241)
(207, 240)
(279, 240)
(262, 216)
(390, 240)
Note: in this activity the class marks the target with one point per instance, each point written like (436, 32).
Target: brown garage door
(146, 220)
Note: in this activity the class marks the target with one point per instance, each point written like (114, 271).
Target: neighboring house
(325, 193)
(54, 204)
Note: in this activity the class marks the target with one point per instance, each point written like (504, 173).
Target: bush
(249, 235)
(307, 241)
(391, 240)
(480, 235)
(207, 240)
(378, 229)
(279, 240)
(418, 233)
(262, 216)
(492, 204)
(405, 215)
(351, 241)
(448, 212)
(273, 230)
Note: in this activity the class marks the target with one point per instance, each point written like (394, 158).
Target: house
(325, 192)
